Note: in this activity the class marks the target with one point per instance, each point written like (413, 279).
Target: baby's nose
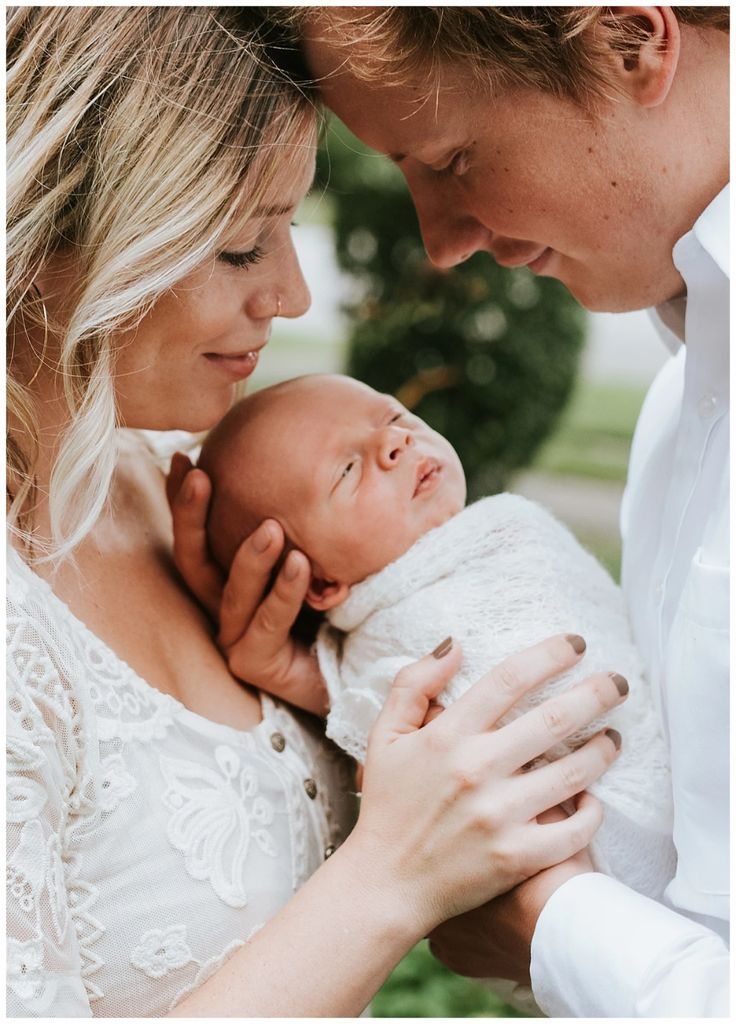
(393, 443)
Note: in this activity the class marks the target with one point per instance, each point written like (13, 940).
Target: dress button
(329, 850)
(310, 788)
(707, 405)
(277, 742)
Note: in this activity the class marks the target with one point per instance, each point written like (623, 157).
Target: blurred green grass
(594, 434)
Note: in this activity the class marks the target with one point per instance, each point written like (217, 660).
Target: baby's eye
(346, 470)
(396, 416)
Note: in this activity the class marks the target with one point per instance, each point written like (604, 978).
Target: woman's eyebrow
(273, 211)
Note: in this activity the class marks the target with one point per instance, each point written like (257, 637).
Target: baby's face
(361, 478)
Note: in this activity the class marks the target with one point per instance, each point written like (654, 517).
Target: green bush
(487, 356)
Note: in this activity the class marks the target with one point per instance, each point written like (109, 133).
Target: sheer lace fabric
(499, 577)
(145, 843)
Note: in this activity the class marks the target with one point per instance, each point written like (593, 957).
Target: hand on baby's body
(494, 940)
(253, 629)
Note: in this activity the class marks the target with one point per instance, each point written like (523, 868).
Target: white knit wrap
(501, 576)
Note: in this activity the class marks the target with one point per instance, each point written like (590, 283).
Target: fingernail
(621, 684)
(615, 737)
(291, 568)
(442, 649)
(187, 491)
(261, 539)
(576, 642)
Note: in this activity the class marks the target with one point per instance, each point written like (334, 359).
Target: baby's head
(352, 477)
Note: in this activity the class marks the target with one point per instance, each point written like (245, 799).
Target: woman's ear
(325, 594)
(646, 41)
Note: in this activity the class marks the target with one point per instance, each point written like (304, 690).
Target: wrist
(397, 907)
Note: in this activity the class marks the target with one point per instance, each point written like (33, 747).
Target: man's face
(527, 177)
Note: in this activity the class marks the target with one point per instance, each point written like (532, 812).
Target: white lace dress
(145, 843)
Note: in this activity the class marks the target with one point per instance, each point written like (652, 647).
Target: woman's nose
(393, 442)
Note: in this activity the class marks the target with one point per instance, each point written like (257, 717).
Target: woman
(169, 828)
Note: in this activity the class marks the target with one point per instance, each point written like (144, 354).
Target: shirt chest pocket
(697, 680)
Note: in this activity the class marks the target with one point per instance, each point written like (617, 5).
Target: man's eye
(243, 259)
(458, 163)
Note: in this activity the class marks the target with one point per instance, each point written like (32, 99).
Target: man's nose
(393, 442)
(450, 234)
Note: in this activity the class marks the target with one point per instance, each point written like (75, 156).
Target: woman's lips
(428, 474)
(238, 366)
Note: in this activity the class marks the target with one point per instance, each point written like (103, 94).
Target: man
(591, 145)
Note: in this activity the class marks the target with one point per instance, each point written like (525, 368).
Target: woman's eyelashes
(243, 259)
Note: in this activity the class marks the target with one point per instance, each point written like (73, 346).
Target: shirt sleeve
(602, 950)
(44, 960)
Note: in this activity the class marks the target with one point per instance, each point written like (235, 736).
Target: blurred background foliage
(487, 356)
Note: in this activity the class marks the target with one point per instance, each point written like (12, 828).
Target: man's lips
(427, 476)
(534, 260)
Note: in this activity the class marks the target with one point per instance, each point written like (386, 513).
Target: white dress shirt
(600, 949)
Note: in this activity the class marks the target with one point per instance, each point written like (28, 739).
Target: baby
(376, 500)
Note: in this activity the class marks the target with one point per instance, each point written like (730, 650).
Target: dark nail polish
(621, 684)
(442, 649)
(615, 737)
(576, 642)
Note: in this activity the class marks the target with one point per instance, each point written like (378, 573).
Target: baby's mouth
(428, 472)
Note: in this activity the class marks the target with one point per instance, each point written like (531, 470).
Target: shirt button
(310, 788)
(707, 405)
(329, 850)
(278, 742)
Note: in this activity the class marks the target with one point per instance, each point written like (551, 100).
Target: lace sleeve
(44, 757)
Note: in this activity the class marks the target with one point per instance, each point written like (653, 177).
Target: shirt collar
(708, 238)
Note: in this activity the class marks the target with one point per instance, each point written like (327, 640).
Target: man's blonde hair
(564, 51)
(139, 138)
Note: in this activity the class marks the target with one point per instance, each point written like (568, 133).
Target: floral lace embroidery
(214, 816)
(117, 783)
(24, 967)
(161, 951)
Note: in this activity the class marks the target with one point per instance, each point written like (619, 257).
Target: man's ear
(325, 594)
(647, 45)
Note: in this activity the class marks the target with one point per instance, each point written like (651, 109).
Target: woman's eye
(243, 259)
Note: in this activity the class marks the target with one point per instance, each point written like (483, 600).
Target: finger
(433, 711)
(180, 466)
(533, 733)
(498, 690)
(549, 786)
(414, 687)
(191, 551)
(558, 841)
(250, 573)
(266, 626)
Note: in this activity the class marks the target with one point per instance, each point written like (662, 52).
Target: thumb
(413, 689)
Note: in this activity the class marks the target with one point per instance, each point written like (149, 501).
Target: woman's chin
(195, 419)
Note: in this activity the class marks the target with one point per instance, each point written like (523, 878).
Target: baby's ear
(325, 594)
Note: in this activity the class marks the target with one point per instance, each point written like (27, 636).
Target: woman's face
(178, 369)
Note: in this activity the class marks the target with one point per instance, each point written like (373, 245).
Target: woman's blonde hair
(138, 138)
